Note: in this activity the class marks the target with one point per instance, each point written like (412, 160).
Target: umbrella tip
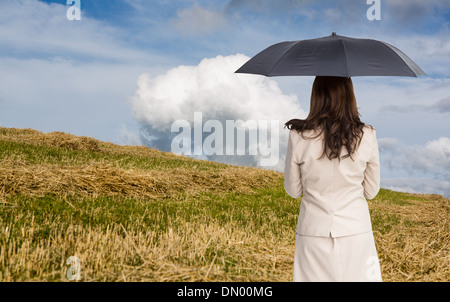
(333, 34)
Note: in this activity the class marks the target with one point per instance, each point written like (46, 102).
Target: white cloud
(214, 89)
(441, 106)
(127, 137)
(418, 185)
(427, 166)
(387, 143)
(433, 157)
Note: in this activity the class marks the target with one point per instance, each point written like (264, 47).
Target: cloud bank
(441, 106)
(197, 20)
(426, 168)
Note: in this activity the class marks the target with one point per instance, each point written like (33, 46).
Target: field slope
(137, 214)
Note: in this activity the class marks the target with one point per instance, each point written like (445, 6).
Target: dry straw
(56, 139)
(418, 247)
(105, 178)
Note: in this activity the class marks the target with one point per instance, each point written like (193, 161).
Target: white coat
(334, 192)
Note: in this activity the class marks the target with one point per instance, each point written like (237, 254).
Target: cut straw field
(137, 214)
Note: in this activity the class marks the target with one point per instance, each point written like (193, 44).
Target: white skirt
(340, 259)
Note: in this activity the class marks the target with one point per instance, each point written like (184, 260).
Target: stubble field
(139, 214)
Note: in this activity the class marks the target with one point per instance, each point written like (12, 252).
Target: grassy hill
(137, 214)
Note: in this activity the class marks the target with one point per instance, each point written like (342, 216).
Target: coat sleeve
(292, 174)
(371, 181)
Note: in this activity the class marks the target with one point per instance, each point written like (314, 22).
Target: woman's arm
(371, 181)
(292, 174)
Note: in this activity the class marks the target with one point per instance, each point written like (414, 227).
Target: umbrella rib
(410, 64)
(345, 56)
(279, 59)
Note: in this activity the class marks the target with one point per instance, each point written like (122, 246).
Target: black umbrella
(332, 56)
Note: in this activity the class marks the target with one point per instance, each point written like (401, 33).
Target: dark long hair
(334, 113)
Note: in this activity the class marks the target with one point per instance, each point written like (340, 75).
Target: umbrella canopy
(332, 56)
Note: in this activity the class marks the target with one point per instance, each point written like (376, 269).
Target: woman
(332, 160)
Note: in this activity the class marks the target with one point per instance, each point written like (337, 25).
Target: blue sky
(86, 77)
